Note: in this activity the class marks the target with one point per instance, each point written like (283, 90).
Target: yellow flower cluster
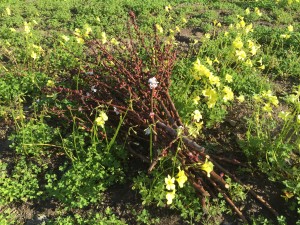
(228, 94)
(196, 126)
(241, 49)
(26, 27)
(79, 35)
(213, 83)
(241, 25)
(101, 119)
(211, 95)
(267, 99)
(181, 178)
(36, 51)
(287, 35)
(202, 71)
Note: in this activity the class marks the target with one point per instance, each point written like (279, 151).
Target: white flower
(152, 82)
(93, 89)
(116, 110)
(147, 131)
(197, 115)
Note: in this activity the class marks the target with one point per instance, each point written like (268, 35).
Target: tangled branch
(134, 76)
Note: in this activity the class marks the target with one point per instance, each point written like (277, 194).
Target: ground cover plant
(151, 112)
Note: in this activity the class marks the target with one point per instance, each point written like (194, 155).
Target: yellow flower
(241, 54)
(214, 80)
(228, 78)
(50, 83)
(196, 100)
(207, 35)
(208, 60)
(284, 115)
(168, 8)
(250, 44)
(181, 178)
(241, 98)
(237, 43)
(257, 11)
(242, 23)
(195, 128)
(66, 38)
(12, 29)
(33, 55)
(216, 60)
(290, 28)
(247, 11)
(103, 38)
(79, 40)
(77, 32)
(100, 120)
(212, 97)
(249, 63)
(228, 94)
(285, 36)
(208, 167)
(184, 20)
(201, 70)
(169, 181)
(114, 41)
(273, 100)
(26, 28)
(197, 115)
(159, 28)
(267, 108)
(88, 30)
(38, 48)
(8, 12)
(249, 28)
(20, 117)
(240, 17)
(170, 196)
(254, 49)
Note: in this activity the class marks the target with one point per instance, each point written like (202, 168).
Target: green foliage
(97, 218)
(21, 184)
(14, 86)
(61, 158)
(84, 181)
(32, 138)
(274, 146)
(237, 191)
(7, 217)
(145, 217)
